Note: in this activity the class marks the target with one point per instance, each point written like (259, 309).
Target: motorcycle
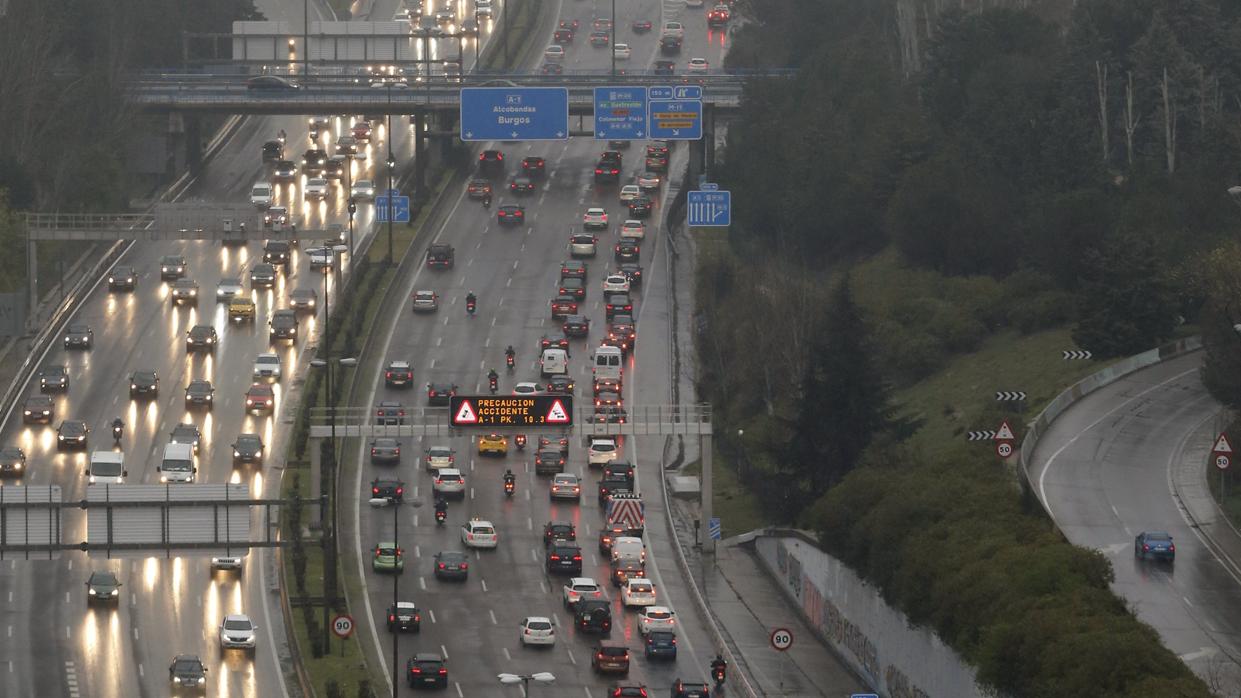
(718, 674)
(520, 440)
(117, 432)
(440, 516)
(469, 307)
(487, 201)
(509, 487)
(508, 359)
(494, 385)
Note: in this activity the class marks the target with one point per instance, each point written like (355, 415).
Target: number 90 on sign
(781, 639)
(342, 626)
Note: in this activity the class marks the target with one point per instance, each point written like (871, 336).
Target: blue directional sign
(675, 119)
(707, 208)
(514, 113)
(399, 208)
(687, 92)
(620, 113)
(713, 527)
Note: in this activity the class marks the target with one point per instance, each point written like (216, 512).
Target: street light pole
(612, 41)
(396, 578)
(391, 164)
(326, 535)
(305, 37)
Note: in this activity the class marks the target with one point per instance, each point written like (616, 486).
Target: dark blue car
(1154, 545)
(661, 644)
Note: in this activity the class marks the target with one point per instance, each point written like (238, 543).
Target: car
(554, 54)
(633, 229)
(79, 336)
(361, 131)
(391, 490)
(564, 557)
(548, 461)
(441, 256)
(285, 170)
(493, 444)
(632, 270)
(445, 16)
(607, 171)
(656, 618)
(102, 587)
(439, 394)
(576, 326)
(398, 374)
(656, 163)
(477, 533)
(622, 334)
(241, 308)
(425, 301)
(669, 45)
(1154, 545)
(335, 167)
(629, 192)
(184, 292)
(595, 218)
(275, 216)
(321, 256)
(38, 409)
(248, 448)
(663, 67)
(566, 486)
(628, 691)
(608, 535)
(618, 303)
(573, 287)
(346, 144)
(610, 658)
(270, 82)
(478, 188)
(607, 398)
(451, 564)
(638, 592)
(601, 24)
(641, 26)
(187, 671)
(389, 413)
(314, 160)
(641, 206)
(522, 185)
(537, 630)
(491, 163)
(605, 384)
(593, 615)
(469, 26)
(426, 669)
(573, 268)
(696, 66)
(559, 384)
(568, 24)
(622, 52)
(600, 39)
(601, 451)
(582, 245)
(267, 366)
(122, 278)
(534, 166)
(171, 267)
(718, 16)
(282, 325)
(54, 378)
(385, 450)
(303, 299)
(12, 461)
(228, 289)
(388, 558)
(143, 383)
(238, 632)
(624, 570)
(649, 182)
(615, 283)
(362, 190)
(552, 69)
(404, 616)
(688, 689)
(563, 305)
(527, 389)
(273, 151)
(559, 530)
(673, 29)
(552, 341)
(579, 588)
(277, 252)
(610, 415)
(449, 481)
(511, 214)
(186, 433)
(199, 393)
(262, 275)
(260, 398)
(437, 457)
(563, 36)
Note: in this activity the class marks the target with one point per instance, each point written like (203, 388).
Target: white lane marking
(431, 613)
(444, 652)
(507, 656)
(484, 581)
(572, 659)
(493, 617)
(135, 633)
(454, 683)
(542, 584)
(529, 524)
(422, 583)
(417, 551)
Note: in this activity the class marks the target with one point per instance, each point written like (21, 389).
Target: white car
(554, 54)
(261, 194)
(319, 257)
(449, 481)
(638, 592)
(602, 451)
(629, 192)
(527, 389)
(616, 283)
(316, 188)
(566, 486)
(483, 11)
(267, 365)
(477, 533)
(696, 66)
(440, 457)
(635, 230)
(595, 218)
(363, 190)
(657, 618)
(622, 52)
(238, 632)
(224, 562)
(648, 181)
(227, 289)
(673, 29)
(580, 588)
(537, 630)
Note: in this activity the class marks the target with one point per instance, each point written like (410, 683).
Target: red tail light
(555, 558)
(1171, 548)
(577, 558)
(441, 565)
(1145, 547)
(443, 672)
(465, 565)
(391, 618)
(379, 413)
(388, 374)
(374, 490)
(400, 490)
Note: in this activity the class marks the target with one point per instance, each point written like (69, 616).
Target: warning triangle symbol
(557, 414)
(1005, 432)
(1222, 445)
(465, 414)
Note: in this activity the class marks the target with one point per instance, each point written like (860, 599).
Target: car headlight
(236, 453)
(163, 478)
(92, 481)
(202, 680)
(111, 280)
(91, 592)
(61, 437)
(129, 280)
(132, 386)
(116, 592)
(27, 413)
(194, 292)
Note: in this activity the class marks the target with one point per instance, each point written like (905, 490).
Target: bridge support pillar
(420, 155)
(194, 144)
(708, 141)
(708, 544)
(316, 482)
(696, 159)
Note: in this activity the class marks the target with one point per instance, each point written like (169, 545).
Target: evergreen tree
(1126, 304)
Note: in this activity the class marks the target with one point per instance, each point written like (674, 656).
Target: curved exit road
(1104, 470)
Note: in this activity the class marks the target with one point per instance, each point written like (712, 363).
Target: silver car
(228, 288)
(238, 632)
(426, 301)
(363, 190)
(566, 486)
(440, 457)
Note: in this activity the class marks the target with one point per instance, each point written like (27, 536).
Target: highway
(1103, 469)
(513, 271)
(52, 644)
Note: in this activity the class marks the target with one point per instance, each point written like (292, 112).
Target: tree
(1126, 304)
(1221, 315)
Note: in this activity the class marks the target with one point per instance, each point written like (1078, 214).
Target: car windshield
(237, 624)
(106, 468)
(177, 465)
(539, 625)
(483, 530)
(452, 558)
(187, 666)
(602, 447)
(248, 442)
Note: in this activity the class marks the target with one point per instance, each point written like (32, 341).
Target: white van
(261, 194)
(178, 463)
(628, 548)
(106, 468)
(608, 362)
(554, 361)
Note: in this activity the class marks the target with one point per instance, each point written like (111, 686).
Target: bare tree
(1100, 70)
(1132, 119)
(1169, 123)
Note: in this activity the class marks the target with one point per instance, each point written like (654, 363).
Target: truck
(627, 510)
(441, 256)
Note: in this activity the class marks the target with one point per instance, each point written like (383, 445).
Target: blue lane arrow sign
(398, 205)
(620, 113)
(708, 208)
(514, 114)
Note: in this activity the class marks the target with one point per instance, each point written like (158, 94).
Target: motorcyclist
(487, 200)
(470, 301)
(281, 136)
(509, 477)
(493, 378)
(719, 667)
(441, 504)
(509, 355)
(118, 428)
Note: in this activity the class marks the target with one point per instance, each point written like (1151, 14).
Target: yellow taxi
(240, 308)
(493, 443)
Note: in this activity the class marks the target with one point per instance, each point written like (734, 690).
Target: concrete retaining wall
(897, 660)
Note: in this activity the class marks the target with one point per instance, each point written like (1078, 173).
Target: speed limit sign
(781, 639)
(1003, 449)
(1222, 461)
(342, 626)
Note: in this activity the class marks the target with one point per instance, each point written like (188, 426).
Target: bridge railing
(87, 221)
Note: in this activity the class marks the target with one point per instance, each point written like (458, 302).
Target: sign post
(782, 640)
(1221, 453)
(1004, 440)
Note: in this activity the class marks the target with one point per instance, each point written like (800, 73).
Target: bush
(332, 689)
(909, 355)
(365, 690)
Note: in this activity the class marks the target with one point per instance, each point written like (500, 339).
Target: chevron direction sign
(1073, 354)
(1009, 395)
(980, 435)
